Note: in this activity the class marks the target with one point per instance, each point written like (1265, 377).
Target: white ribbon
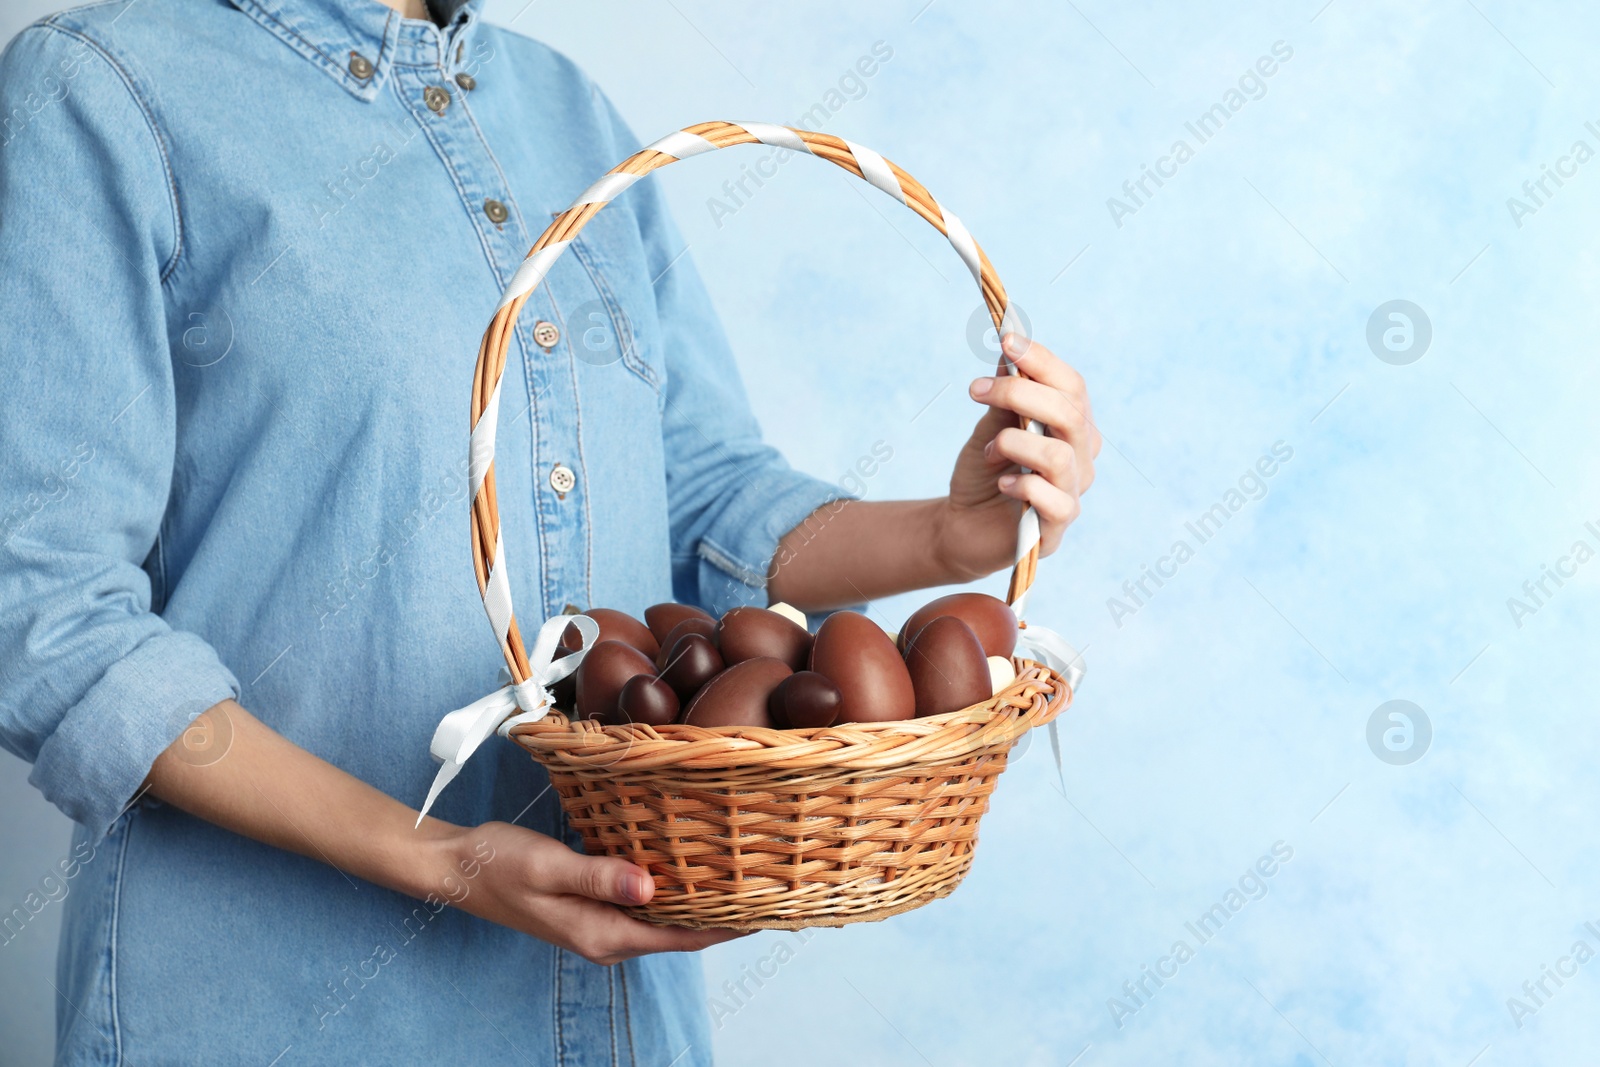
(461, 732)
(1045, 646)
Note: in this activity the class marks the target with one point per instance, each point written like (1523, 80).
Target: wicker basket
(755, 828)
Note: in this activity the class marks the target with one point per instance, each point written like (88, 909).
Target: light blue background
(1228, 313)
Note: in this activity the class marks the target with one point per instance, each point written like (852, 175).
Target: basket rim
(1037, 696)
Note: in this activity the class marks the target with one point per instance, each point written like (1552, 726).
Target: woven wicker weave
(754, 828)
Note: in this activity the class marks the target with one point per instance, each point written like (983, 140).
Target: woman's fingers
(602, 934)
(1056, 459)
(1066, 420)
(1056, 507)
(1037, 362)
(599, 932)
(603, 878)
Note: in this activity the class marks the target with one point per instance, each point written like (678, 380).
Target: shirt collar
(332, 33)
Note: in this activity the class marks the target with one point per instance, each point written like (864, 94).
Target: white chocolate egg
(1001, 673)
(790, 612)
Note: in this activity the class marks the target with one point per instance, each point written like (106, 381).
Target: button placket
(557, 491)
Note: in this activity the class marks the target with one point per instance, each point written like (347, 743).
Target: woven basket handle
(488, 550)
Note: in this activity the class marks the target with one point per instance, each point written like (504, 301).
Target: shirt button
(466, 81)
(496, 211)
(547, 335)
(360, 66)
(436, 98)
(562, 479)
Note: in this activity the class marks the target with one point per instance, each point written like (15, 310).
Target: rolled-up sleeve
(731, 496)
(93, 684)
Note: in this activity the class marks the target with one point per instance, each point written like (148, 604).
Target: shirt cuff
(741, 547)
(97, 758)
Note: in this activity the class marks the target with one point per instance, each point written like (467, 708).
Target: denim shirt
(249, 249)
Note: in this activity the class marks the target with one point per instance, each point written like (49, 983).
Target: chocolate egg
(605, 669)
(706, 627)
(991, 619)
(661, 618)
(738, 696)
(615, 626)
(565, 692)
(1001, 674)
(647, 699)
(691, 664)
(805, 700)
(854, 653)
(752, 633)
(948, 668)
(790, 612)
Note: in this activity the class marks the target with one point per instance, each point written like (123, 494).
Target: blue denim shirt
(249, 248)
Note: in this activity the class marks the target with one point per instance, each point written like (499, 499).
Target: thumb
(605, 878)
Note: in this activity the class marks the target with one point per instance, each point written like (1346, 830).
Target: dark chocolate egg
(565, 692)
(948, 668)
(605, 669)
(661, 618)
(749, 633)
(805, 701)
(706, 627)
(738, 696)
(691, 664)
(645, 699)
(992, 620)
(615, 626)
(854, 653)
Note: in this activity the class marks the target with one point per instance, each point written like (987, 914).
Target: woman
(251, 245)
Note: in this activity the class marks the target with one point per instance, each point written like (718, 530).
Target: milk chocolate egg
(661, 618)
(615, 626)
(738, 696)
(691, 664)
(750, 633)
(647, 699)
(605, 669)
(706, 627)
(804, 701)
(948, 668)
(991, 619)
(854, 653)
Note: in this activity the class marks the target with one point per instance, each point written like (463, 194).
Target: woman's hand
(862, 550)
(536, 884)
(257, 783)
(976, 533)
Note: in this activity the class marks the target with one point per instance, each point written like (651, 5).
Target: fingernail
(988, 450)
(637, 887)
(1015, 344)
(1007, 481)
(982, 386)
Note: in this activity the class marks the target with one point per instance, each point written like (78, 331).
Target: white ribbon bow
(461, 732)
(1051, 649)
